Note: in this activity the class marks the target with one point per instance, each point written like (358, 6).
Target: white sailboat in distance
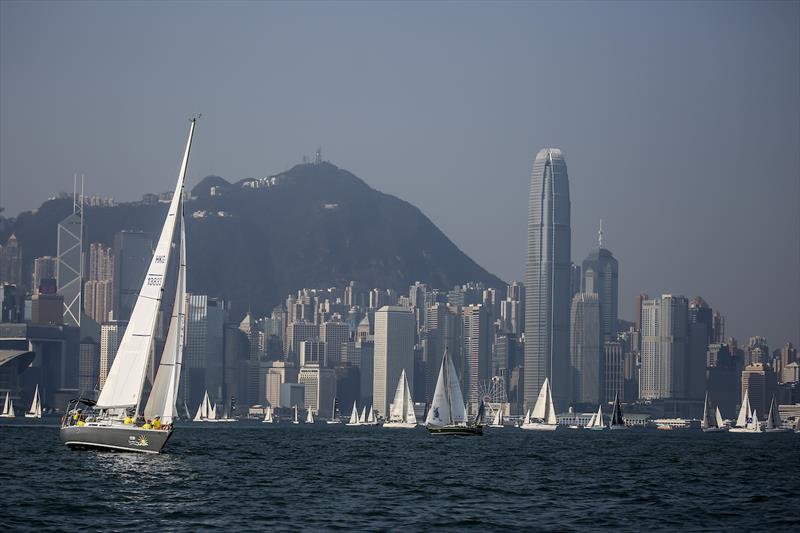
(747, 421)
(543, 417)
(36, 406)
(497, 421)
(334, 419)
(447, 414)
(111, 422)
(206, 411)
(597, 423)
(774, 424)
(711, 424)
(268, 416)
(8, 407)
(401, 413)
(354, 420)
(310, 417)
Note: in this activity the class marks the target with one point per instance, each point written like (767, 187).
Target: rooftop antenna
(600, 235)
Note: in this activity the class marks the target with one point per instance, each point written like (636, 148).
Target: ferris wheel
(493, 392)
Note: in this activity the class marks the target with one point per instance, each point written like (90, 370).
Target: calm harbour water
(251, 476)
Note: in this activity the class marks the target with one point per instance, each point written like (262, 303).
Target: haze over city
(679, 122)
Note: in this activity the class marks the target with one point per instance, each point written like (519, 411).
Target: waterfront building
(88, 366)
(319, 385)
(133, 251)
(664, 348)
(394, 352)
(586, 356)
(110, 336)
(333, 333)
(547, 279)
(278, 373)
(761, 384)
(475, 351)
(601, 277)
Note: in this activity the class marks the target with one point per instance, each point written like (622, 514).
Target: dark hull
(117, 437)
(466, 431)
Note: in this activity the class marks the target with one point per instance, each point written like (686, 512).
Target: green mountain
(255, 241)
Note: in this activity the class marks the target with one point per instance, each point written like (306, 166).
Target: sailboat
(334, 419)
(497, 421)
(8, 408)
(354, 420)
(774, 419)
(36, 406)
(226, 415)
(295, 416)
(206, 412)
(401, 413)
(617, 420)
(268, 416)
(543, 416)
(747, 421)
(597, 423)
(310, 417)
(447, 414)
(110, 422)
(709, 424)
(371, 420)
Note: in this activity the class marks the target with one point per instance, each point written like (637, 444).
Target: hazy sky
(680, 122)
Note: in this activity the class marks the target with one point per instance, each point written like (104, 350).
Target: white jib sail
(396, 412)
(363, 418)
(6, 407)
(719, 420)
(354, 414)
(165, 388)
(744, 412)
(36, 404)
(409, 415)
(439, 411)
(543, 410)
(458, 411)
(123, 386)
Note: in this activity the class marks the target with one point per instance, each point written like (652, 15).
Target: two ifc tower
(548, 286)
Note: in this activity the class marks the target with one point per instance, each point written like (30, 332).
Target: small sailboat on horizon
(268, 416)
(617, 419)
(8, 408)
(447, 414)
(774, 424)
(711, 424)
(206, 412)
(747, 421)
(497, 421)
(309, 417)
(401, 413)
(354, 418)
(543, 417)
(334, 419)
(36, 406)
(597, 423)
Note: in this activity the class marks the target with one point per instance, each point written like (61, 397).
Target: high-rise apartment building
(547, 279)
(586, 347)
(133, 251)
(475, 348)
(601, 277)
(320, 389)
(333, 333)
(664, 348)
(203, 354)
(43, 268)
(297, 332)
(394, 352)
(111, 334)
(442, 332)
(11, 262)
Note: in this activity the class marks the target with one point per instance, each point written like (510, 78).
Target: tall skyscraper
(586, 349)
(664, 348)
(43, 268)
(394, 352)
(475, 348)
(601, 277)
(111, 334)
(333, 333)
(761, 384)
(204, 350)
(133, 251)
(69, 268)
(11, 262)
(547, 279)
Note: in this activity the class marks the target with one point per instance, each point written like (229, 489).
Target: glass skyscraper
(547, 279)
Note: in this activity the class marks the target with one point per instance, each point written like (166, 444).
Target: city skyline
(685, 123)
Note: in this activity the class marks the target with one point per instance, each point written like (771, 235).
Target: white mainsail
(447, 406)
(544, 410)
(402, 409)
(774, 417)
(123, 386)
(204, 412)
(212, 412)
(597, 419)
(268, 415)
(498, 418)
(36, 406)
(363, 418)
(310, 417)
(718, 417)
(707, 421)
(354, 415)
(744, 411)
(165, 388)
(371, 416)
(8, 407)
